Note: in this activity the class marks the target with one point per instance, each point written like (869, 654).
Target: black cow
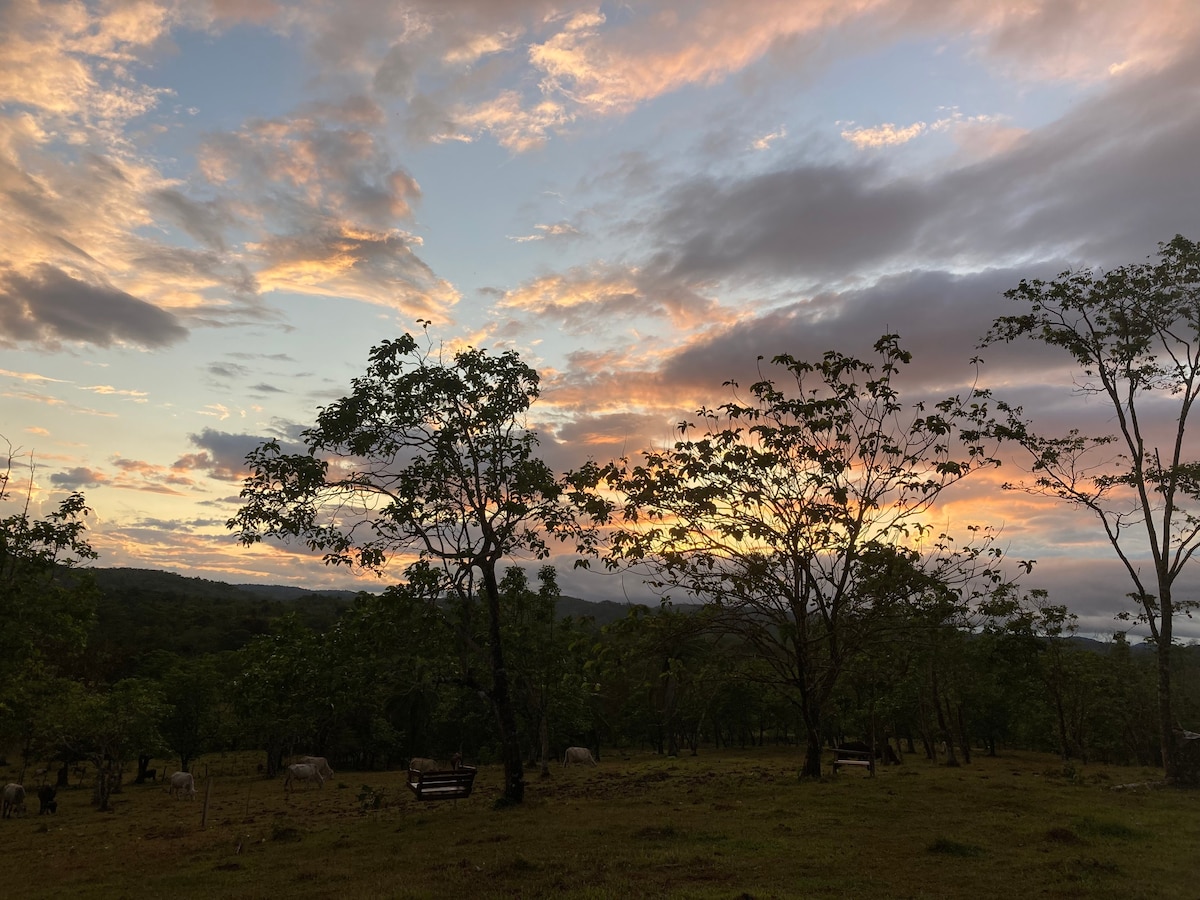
(46, 801)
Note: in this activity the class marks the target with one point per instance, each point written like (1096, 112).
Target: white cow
(13, 800)
(321, 763)
(578, 755)
(182, 784)
(302, 772)
(425, 764)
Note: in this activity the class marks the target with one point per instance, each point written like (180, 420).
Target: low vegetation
(720, 824)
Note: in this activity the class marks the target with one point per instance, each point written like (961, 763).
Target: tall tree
(46, 606)
(427, 457)
(783, 511)
(1134, 332)
(192, 690)
(281, 695)
(109, 726)
(41, 605)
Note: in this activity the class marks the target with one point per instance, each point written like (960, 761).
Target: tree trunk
(669, 702)
(1064, 746)
(544, 742)
(103, 787)
(812, 752)
(964, 738)
(1166, 719)
(947, 737)
(506, 719)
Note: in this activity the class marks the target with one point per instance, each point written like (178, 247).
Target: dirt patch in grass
(1062, 836)
(656, 833)
(1101, 828)
(947, 847)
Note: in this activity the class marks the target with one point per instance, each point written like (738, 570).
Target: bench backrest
(450, 785)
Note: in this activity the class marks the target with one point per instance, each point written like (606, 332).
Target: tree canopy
(786, 510)
(428, 459)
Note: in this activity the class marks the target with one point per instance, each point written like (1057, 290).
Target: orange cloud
(583, 296)
(589, 66)
(513, 124)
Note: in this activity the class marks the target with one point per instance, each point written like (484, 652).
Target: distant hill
(602, 612)
(287, 592)
(151, 593)
(118, 578)
(144, 613)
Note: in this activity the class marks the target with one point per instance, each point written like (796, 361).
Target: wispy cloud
(30, 376)
(547, 232)
(765, 142)
(885, 135)
(109, 390)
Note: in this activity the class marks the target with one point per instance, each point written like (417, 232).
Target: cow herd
(309, 770)
(12, 800)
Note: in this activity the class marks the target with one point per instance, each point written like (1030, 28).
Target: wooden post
(871, 762)
(207, 796)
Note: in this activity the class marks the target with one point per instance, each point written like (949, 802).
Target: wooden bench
(852, 758)
(453, 784)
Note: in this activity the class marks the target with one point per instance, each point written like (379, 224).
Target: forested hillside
(145, 615)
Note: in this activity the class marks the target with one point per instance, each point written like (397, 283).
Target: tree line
(795, 514)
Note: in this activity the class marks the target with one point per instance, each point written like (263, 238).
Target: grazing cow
(425, 764)
(182, 784)
(46, 801)
(578, 755)
(13, 801)
(321, 764)
(302, 772)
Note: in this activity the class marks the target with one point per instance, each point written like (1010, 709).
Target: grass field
(723, 824)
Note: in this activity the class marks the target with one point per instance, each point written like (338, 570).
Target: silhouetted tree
(779, 510)
(1134, 332)
(428, 457)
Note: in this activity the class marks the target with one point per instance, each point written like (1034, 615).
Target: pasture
(723, 824)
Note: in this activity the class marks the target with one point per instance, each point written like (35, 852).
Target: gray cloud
(204, 221)
(1100, 184)
(76, 478)
(227, 370)
(222, 453)
(48, 306)
(276, 357)
(814, 222)
(1096, 589)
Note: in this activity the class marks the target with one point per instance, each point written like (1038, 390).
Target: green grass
(719, 825)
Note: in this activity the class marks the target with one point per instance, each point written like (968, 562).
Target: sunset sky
(210, 211)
